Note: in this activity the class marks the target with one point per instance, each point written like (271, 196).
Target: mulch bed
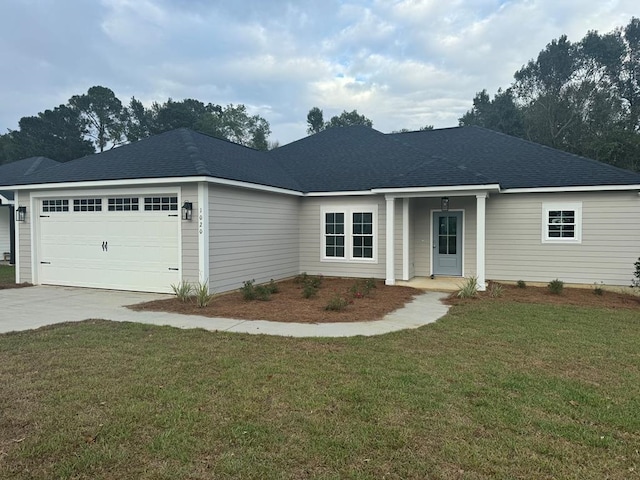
(5, 286)
(288, 305)
(582, 297)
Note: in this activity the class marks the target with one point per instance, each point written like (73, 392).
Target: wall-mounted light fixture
(187, 211)
(444, 204)
(21, 213)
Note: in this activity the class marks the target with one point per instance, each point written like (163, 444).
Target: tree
(138, 121)
(315, 121)
(57, 134)
(500, 114)
(407, 130)
(104, 118)
(346, 119)
(581, 97)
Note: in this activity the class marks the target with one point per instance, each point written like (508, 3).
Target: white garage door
(121, 243)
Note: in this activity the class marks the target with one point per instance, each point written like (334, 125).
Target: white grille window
(58, 205)
(562, 223)
(161, 203)
(87, 205)
(124, 204)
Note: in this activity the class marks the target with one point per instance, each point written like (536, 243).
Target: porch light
(187, 211)
(21, 213)
(444, 204)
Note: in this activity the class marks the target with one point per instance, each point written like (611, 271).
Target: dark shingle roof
(342, 159)
(177, 153)
(22, 171)
(361, 158)
(514, 162)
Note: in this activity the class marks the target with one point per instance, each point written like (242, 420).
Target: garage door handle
(45, 263)
(105, 246)
(175, 269)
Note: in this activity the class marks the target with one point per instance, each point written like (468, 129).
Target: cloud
(402, 63)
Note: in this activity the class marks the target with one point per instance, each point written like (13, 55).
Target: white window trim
(348, 232)
(576, 207)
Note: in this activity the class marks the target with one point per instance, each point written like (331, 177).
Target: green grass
(493, 390)
(7, 274)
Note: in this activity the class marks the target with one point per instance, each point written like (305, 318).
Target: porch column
(405, 239)
(390, 278)
(480, 240)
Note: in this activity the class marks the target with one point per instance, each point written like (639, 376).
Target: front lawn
(496, 389)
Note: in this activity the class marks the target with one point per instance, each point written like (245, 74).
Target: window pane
(357, 228)
(442, 247)
(443, 225)
(329, 228)
(339, 251)
(329, 218)
(368, 241)
(367, 252)
(340, 241)
(367, 229)
(367, 217)
(339, 218)
(357, 252)
(357, 218)
(452, 225)
(357, 241)
(452, 245)
(331, 241)
(340, 229)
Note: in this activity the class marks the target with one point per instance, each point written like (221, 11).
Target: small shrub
(262, 292)
(556, 286)
(273, 286)
(521, 284)
(495, 290)
(182, 290)
(310, 284)
(248, 290)
(370, 284)
(469, 288)
(203, 297)
(597, 289)
(337, 303)
(636, 276)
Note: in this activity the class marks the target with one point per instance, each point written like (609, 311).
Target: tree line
(98, 120)
(581, 97)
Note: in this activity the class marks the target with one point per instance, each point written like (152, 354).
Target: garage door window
(87, 205)
(125, 204)
(55, 205)
(161, 203)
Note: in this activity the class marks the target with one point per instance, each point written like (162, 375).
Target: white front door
(120, 243)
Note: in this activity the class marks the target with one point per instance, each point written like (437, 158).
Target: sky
(401, 63)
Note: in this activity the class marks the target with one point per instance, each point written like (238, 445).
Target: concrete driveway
(34, 307)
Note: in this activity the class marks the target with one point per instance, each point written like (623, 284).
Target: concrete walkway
(34, 307)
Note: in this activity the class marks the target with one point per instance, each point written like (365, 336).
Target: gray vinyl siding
(253, 236)
(610, 239)
(421, 217)
(311, 239)
(24, 249)
(189, 236)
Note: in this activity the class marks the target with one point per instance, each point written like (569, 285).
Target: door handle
(105, 246)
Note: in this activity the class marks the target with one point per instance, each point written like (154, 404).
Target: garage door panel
(123, 250)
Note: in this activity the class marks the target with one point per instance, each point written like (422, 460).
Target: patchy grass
(7, 274)
(495, 389)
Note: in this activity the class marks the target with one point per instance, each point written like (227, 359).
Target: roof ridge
(194, 152)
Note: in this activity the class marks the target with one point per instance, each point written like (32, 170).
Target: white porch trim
(405, 239)
(480, 240)
(203, 233)
(390, 278)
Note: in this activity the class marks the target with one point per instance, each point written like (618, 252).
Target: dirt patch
(288, 305)
(583, 297)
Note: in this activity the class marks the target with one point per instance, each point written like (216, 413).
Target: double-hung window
(349, 233)
(562, 222)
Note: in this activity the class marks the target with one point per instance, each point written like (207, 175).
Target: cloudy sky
(402, 63)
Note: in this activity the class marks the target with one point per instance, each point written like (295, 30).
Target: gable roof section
(515, 162)
(21, 170)
(174, 154)
(360, 158)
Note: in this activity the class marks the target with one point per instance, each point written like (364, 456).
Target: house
(12, 173)
(351, 201)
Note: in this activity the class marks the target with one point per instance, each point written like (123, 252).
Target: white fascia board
(586, 188)
(5, 201)
(452, 191)
(153, 181)
(339, 194)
